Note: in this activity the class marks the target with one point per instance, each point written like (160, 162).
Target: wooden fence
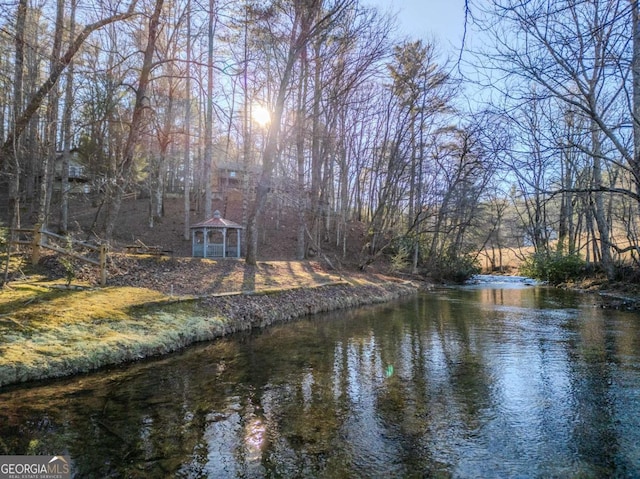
(39, 238)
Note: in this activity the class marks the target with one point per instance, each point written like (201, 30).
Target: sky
(442, 21)
(428, 19)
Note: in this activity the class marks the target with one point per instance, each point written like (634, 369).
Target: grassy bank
(47, 331)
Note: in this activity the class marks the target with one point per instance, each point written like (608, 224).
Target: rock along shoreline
(167, 330)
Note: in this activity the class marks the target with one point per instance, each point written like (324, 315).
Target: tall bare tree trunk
(187, 132)
(635, 65)
(599, 208)
(137, 122)
(300, 157)
(316, 148)
(10, 157)
(66, 128)
(246, 129)
(208, 127)
(48, 165)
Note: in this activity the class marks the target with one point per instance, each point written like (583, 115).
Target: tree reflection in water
(477, 381)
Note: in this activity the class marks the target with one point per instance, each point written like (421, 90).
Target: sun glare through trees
(366, 130)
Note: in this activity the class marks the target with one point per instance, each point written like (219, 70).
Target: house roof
(217, 222)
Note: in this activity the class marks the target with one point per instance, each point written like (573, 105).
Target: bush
(400, 260)
(456, 269)
(554, 268)
(4, 246)
(4, 236)
(400, 254)
(627, 273)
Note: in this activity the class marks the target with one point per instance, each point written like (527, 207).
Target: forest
(527, 140)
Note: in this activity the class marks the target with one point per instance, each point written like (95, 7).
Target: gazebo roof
(217, 222)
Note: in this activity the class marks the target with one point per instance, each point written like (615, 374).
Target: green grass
(48, 330)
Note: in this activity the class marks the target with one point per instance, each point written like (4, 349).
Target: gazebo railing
(214, 250)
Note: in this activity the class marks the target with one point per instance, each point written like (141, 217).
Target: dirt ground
(276, 242)
(181, 276)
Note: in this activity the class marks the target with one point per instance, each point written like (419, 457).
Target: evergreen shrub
(454, 268)
(553, 267)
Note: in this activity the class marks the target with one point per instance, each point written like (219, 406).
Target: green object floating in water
(389, 371)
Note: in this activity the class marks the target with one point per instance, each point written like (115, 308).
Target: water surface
(487, 381)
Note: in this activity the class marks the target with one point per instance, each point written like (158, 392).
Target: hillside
(277, 240)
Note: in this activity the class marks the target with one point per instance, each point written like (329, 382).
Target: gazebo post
(205, 242)
(238, 243)
(224, 242)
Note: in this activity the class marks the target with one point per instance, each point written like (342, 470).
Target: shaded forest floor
(276, 240)
(181, 276)
(178, 273)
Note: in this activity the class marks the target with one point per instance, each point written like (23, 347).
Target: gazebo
(209, 239)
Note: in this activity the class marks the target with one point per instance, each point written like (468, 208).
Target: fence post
(103, 265)
(35, 244)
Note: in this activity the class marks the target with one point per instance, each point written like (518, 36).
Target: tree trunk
(300, 130)
(187, 132)
(208, 127)
(137, 119)
(11, 154)
(635, 66)
(66, 127)
(246, 124)
(600, 213)
(316, 148)
(48, 165)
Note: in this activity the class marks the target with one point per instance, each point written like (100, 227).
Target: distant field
(511, 258)
(506, 260)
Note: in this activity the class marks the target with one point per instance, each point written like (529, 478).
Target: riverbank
(50, 331)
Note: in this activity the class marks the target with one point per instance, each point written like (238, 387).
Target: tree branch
(36, 100)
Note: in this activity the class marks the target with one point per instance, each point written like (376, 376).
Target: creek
(491, 380)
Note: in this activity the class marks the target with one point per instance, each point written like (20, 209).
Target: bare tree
(66, 130)
(25, 111)
(10, 155)
(49, 158)
(635, 74)
(137, 120)
(187, 128)
(309, 20)
(578, 53)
